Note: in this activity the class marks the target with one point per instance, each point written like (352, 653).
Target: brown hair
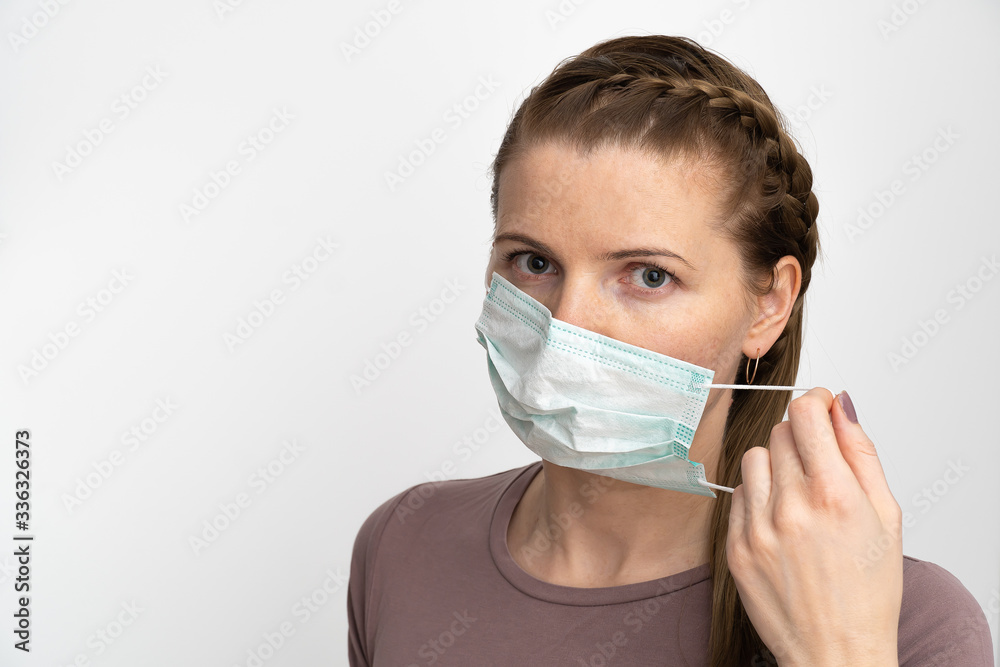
(671, 97)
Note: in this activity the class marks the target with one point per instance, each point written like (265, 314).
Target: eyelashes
(509, 256)
(519, 251)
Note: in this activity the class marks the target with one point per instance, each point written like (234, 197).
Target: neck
(577, 528)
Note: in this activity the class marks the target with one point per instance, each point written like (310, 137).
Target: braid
(788, 173)
(653, 99)
(787, 182)
(783, 160)
(671, 97)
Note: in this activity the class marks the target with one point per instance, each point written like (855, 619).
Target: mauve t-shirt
(432, 583)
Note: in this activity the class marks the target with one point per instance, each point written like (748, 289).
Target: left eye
(650, 276)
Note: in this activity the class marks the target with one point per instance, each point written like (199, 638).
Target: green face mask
(583, 400)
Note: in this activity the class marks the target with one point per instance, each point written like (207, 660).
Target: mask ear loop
(715, 486)
(749, 384)
(772, 387)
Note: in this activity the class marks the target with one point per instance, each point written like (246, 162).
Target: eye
(529, 262)
(651, 276)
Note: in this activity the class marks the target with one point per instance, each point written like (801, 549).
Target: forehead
(609, 192)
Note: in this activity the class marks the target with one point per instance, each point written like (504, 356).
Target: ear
(774, 308)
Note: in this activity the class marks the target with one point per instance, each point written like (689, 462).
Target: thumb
(858, 450)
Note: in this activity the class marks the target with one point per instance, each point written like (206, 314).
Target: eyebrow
(607, 257)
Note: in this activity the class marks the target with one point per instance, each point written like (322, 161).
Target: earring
(756, 363)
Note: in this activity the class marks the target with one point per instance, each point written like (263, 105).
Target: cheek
(710, 348)
(491, 266)
(711, 340)
(726, 350)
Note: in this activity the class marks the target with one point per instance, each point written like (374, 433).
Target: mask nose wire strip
(772, 387)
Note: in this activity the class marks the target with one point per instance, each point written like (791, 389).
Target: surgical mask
(583, 400)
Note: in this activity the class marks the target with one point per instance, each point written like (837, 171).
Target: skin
(819, 478)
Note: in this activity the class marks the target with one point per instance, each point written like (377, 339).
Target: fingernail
(848, 406)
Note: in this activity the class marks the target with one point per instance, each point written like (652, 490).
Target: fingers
(750, 514)
(859, 452)
(756, 469)
(786, 466)
(737, 514)
(818, 451)
(815, 440)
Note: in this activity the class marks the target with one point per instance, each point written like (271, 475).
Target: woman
(648, 203)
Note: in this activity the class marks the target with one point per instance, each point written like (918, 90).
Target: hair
(670, 97)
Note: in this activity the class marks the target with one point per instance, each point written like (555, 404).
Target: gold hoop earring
(756, 363)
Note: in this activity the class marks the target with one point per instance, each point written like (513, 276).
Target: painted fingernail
(848, 406)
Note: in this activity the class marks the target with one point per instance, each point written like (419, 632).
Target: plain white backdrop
(200, 247)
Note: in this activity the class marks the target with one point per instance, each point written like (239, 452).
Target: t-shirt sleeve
(360, 582)
(941, 623)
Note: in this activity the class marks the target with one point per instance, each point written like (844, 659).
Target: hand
(814, 540)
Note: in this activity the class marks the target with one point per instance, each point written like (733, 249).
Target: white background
(877, 98)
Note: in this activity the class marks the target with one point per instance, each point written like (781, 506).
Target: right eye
(530, 263)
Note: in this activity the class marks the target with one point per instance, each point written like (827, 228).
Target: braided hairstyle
(670, 97)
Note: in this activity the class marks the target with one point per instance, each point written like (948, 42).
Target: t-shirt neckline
(569, 595)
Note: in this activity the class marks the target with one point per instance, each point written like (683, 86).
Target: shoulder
(940, 621)
(412, 509)
(408, 527)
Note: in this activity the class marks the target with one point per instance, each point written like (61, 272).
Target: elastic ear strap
(714, 486)
(772, 387)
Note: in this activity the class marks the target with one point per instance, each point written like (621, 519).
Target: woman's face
(620, 244)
